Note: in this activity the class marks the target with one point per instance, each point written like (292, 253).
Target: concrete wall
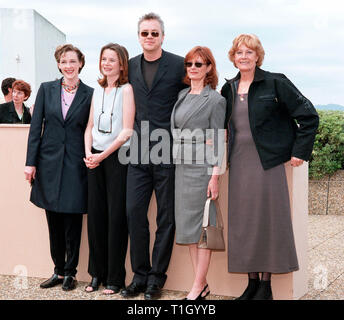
(27, 45)
(24, 242)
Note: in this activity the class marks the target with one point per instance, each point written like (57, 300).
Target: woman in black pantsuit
(109, 128)
(54, 163)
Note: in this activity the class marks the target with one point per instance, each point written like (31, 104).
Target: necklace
(64, 101)
(102, 113)
(241, 97)
(69, 88)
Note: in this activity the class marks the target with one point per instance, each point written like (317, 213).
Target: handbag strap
(219, 221)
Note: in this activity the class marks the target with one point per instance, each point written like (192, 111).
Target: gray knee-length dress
(260, 234)
(191, 181)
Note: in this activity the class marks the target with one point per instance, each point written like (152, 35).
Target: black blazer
(8, 114)
(156, 105)
(56, 148)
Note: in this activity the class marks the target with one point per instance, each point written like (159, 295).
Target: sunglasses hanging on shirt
(103, 119)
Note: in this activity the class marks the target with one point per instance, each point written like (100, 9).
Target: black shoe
(264, 291)
(153, 292)
(133, 290)
(253, 285)
(114, 289)
(94, 284)
(200, 297)
(53, 281)
(69, 283)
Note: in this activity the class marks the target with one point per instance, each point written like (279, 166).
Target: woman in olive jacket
(270, 125)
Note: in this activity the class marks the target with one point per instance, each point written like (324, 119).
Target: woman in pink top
(54, 163)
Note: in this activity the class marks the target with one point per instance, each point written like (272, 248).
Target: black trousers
(107, 221)
(65, 237)
(142, 180)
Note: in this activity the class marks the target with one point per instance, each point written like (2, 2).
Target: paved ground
(326, 258)
(326, 271)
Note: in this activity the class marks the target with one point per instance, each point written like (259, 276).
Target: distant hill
(330, 107)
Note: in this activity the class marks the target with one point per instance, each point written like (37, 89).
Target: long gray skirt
(191, 184)
(260, 233)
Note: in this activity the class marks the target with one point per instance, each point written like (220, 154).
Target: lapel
(162, 69)
(26, 113)
(80, 96)
(259, 74)
(56, 99)
(179, 101)
(199, 104)
(139, 74)
(11, 108)
(12, 113)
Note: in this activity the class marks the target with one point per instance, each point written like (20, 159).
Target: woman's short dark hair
(60, 50)
(23, 86)
(123, 58)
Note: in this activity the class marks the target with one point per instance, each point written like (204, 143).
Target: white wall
(27, 46)
(47, 38)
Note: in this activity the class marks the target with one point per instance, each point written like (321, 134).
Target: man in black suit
(156, 77)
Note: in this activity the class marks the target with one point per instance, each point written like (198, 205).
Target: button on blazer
(56, 148)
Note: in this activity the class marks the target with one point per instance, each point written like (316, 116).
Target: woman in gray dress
(197, 116)
(262, 111)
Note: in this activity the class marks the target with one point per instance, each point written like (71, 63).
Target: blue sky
(303, 39)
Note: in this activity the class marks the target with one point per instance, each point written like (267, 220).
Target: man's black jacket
(155, 105)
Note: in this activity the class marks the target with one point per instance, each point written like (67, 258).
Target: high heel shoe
(206, 294)
(200, 297)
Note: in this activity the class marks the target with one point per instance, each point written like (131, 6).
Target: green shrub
(328, 153)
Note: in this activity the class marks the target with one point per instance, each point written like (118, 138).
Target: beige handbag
(212, 236)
